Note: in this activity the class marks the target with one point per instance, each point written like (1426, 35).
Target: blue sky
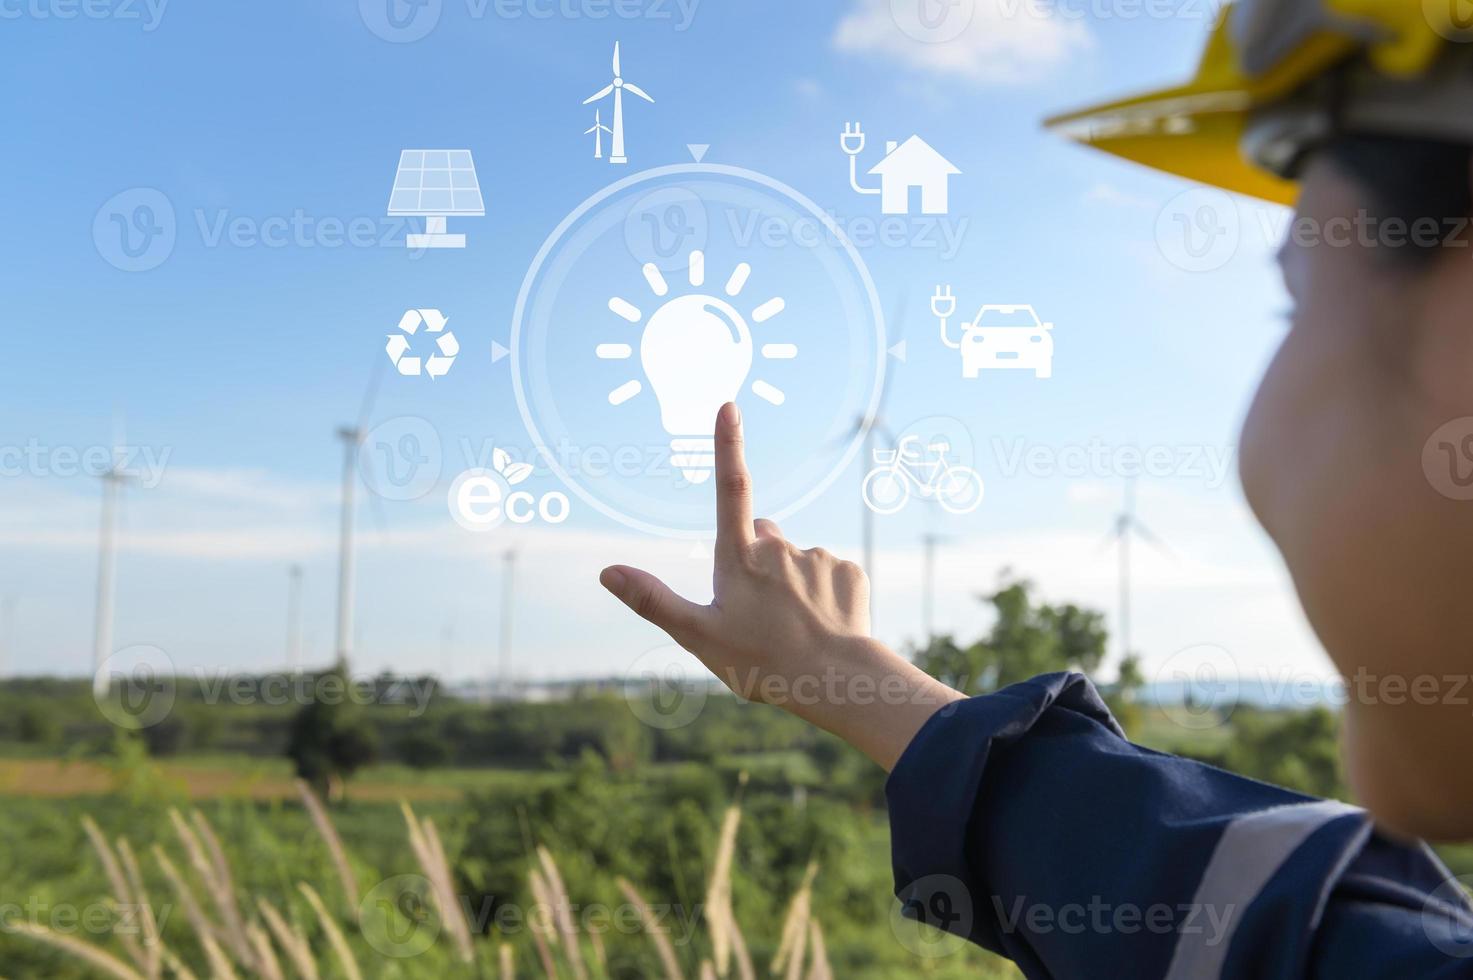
(235, 358)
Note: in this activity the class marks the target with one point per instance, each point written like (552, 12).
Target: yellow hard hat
(1279, 75)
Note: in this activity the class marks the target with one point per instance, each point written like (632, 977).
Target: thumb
(652, 600)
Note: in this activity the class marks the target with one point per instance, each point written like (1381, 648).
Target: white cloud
(995, 42)
(1102, 192)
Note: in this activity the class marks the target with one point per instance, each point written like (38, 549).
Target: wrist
(869, 696)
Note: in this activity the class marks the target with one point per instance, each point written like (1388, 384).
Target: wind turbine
(508, 600)
(928, 593)
(597, 129)
(867, 425)
(1126, 526)
(352, 440)
(618, 87)
(7, 634)
(102, 628)
(294, 619)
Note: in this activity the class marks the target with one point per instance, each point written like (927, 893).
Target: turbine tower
(352, 440)
(508, 598)
(866, 426)
(102, 627)
(7, 635)
(928, 585)
(294, 619)
(1126, 526)
(618, 87)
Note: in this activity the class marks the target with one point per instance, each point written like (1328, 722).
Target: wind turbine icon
(597, 129)
(618, 87)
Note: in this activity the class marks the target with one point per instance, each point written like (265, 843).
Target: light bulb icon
(697, 351)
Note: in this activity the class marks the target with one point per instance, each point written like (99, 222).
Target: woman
(1023, 820)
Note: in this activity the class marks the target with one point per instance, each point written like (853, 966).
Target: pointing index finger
(733, 485)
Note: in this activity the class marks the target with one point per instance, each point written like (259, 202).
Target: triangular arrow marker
(898, 352)
(698, 150)
(497, 352)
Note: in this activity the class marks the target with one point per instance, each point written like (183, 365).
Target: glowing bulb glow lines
(697, 351)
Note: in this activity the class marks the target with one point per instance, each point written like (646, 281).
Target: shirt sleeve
(1025, 822)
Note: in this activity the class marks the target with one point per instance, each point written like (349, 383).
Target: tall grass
(228, 934)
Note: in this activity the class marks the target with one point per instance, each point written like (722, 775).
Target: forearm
(859, 690)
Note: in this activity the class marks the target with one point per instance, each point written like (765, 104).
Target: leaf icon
(517, 472)
(500, 459)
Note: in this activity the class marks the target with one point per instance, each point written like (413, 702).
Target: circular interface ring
(664, 295)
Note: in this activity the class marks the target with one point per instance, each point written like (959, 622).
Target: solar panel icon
(436, 185)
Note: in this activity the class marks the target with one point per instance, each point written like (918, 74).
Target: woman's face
(1378, 358)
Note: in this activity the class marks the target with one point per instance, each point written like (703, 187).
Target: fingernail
(730, 414)
(612, 579)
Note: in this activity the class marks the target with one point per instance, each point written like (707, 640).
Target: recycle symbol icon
(436, 365)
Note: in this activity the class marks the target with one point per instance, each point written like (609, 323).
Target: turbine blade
(616, 57)
(1151, 538)
(636, 90)
(600, 94)
(849, 433)
(901, 307)
(370, 393)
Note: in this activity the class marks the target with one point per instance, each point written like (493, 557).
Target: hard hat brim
(1184, 131)
(1195, 130)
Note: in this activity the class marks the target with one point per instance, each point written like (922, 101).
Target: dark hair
(1412, 180)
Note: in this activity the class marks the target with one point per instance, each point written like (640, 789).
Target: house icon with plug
(912, 164)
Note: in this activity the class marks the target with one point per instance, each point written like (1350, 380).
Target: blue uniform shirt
(1024, 821)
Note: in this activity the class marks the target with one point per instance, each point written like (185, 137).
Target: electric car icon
(998, 337)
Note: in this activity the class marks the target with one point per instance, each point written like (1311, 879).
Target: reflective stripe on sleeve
(1250, 851)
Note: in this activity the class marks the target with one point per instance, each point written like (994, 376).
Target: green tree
(1123, 696)
(329, 738)
(1026, 639)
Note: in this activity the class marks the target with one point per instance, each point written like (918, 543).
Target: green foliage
(1025, 640)
(330, 739)
(34, 725)
(1297, 749)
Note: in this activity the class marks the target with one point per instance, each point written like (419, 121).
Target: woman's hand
(786, 626)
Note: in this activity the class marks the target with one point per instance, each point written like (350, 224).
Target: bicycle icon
(908, 469)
